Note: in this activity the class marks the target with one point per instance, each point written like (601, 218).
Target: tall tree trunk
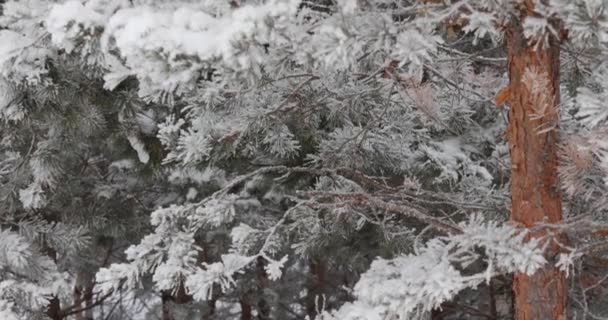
(534, 183)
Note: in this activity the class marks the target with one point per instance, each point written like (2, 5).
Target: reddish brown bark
(534, 182)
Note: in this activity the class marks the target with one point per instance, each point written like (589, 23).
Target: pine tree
(287, 159)
(533, 141)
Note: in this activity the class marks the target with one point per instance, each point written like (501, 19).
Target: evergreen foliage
(286, 159)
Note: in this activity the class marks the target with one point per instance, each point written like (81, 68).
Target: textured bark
(534, 182)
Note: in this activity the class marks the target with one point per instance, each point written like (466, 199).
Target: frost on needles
(287, 159)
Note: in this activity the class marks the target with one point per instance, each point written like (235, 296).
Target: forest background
(316, 159)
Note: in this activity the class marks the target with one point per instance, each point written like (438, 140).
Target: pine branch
(363, 199)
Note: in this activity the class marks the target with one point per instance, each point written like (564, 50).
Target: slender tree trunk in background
(88, 292)
(166, 308)
(83, 294)
(436, 314)
(77, 295)
(54, 309)
(316, 289)
(263, 306)
(534, 183)
(246, 313)
(209, 312)
(492, 294)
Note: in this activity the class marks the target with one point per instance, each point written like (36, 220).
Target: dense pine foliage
(286, 159)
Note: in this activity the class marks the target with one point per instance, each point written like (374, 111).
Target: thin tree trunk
(88, 314)
(534, 183)
(246, 313)
(316, 290)
(166, 308)
(263, 306)
(54, 309)
(436, 314)
(209, 312)
(83, 293)
(492, 293)
(77, 295)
